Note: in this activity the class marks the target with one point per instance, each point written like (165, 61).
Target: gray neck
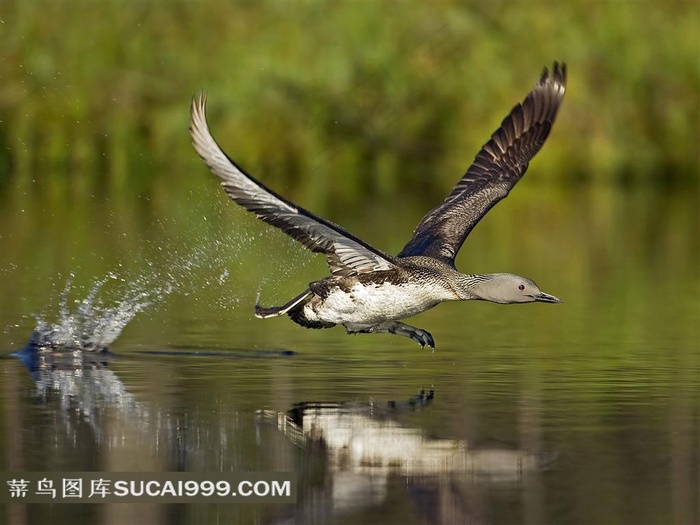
(469, 286)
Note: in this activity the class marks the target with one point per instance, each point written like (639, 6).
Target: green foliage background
(332, 101)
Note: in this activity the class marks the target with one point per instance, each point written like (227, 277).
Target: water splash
(91, 325)
(94, 322)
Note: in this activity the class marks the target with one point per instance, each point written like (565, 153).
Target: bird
(370, 291)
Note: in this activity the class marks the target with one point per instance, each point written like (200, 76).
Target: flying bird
(370, 291)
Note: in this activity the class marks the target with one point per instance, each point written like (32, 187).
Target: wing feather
(345, 253)
(499, 165)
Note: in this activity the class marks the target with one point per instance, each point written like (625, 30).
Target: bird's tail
(276, 311)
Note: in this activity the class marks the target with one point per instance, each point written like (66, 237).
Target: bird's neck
(474, 286)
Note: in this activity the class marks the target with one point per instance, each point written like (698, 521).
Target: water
(584, 412)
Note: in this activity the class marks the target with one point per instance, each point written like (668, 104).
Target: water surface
(584, 412)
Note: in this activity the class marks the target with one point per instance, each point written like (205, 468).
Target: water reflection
(80, 390)
(350, 457)
(366, 448)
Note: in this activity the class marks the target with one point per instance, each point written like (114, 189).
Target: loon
(371, 291)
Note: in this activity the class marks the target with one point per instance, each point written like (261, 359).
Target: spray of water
(95, 321)
(90, 325)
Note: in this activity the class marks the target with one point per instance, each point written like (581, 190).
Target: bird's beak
(546, 298)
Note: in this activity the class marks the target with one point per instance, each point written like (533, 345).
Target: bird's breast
(373, 303)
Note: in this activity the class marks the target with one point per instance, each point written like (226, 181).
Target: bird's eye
(521, 287)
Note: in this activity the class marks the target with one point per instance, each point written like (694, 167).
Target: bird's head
(506, 288)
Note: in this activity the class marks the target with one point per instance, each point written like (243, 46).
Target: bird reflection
(366, 449)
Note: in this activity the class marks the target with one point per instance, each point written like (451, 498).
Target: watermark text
(133, 487)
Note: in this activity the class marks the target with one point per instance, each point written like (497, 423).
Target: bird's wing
(346, 254)
(501, 162)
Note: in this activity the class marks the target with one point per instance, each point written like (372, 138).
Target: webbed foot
(420, 336)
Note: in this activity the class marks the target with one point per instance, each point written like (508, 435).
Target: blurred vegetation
(331, 101)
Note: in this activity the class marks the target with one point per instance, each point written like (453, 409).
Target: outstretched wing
(346, 254)
(501, 163)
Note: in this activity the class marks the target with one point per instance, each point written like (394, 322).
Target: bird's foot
(423, 337)
(420, 336)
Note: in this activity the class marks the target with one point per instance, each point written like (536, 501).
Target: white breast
(372, 304)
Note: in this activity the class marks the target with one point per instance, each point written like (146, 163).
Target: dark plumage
(501, 163)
